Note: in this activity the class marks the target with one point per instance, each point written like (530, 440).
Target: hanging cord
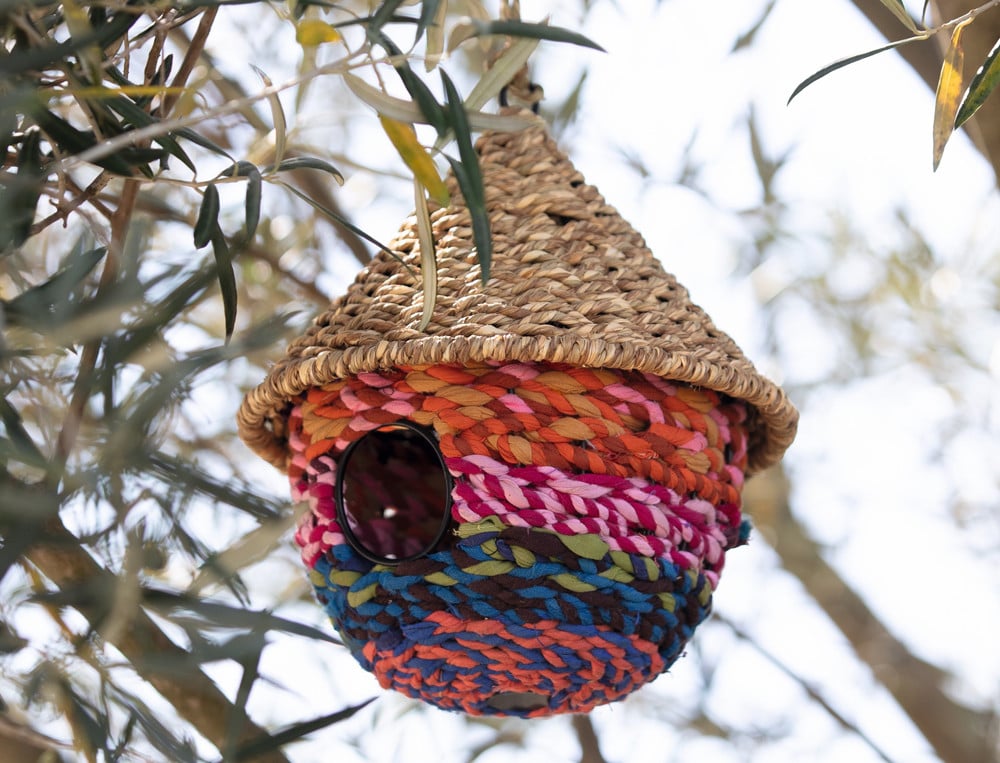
(520, 91)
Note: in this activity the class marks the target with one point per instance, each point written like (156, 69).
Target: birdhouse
(524, 507)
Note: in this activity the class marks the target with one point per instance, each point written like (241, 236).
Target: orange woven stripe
(596, 421)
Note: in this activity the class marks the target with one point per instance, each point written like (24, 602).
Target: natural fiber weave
(577, 585)
(572, 283)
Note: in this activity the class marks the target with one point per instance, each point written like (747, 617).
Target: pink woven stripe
(630, 514)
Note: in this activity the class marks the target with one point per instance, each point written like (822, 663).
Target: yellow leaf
(949, 93)
(897, 9)
(312, 32)
(404, 138)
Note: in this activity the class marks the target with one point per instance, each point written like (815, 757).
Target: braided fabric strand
(592, 511)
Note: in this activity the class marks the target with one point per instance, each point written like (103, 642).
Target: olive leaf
(469, 176)
(252, 203)
(227, 278)
(536, 31)
(949, 93)
(208, 217)
(841, 63)
(983, 84)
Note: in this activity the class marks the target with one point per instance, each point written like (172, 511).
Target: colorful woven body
(592, 510)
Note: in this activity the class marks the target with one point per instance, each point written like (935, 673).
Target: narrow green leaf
(200, 140)
(983, 84)
(840, 64)
(227, 278)
(423, 97)
(252, 203)
(428, 260)
(73, 141)
(469, 176)
(897, 9)
(307, 163)
(258, 747)
(416, 157)
(135, 116)
(949, 92)
(533, 31)
(480, 220)
(208, 217)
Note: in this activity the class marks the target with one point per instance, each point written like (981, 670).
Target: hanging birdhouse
(524, 508)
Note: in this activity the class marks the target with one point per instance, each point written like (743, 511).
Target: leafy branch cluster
(117, 152)
(957, 97)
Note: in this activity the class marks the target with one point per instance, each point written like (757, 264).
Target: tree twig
(64, 209)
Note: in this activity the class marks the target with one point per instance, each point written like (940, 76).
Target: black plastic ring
(342, 517)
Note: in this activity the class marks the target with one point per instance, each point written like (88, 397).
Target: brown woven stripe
(572, 282)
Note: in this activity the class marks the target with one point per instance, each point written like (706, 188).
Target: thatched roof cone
(571, 282)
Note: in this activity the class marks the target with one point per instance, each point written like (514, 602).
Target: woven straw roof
(571, 282)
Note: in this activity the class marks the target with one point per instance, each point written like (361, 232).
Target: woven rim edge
(260, 414)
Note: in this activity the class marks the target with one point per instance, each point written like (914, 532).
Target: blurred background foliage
(169, 217)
